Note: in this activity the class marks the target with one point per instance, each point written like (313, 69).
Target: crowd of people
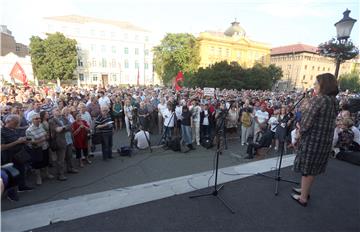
(42, 128)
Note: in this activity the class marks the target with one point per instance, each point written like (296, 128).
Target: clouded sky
(277, 22)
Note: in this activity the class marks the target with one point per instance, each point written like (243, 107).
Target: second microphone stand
(220, 132)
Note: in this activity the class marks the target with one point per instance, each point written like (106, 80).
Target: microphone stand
(216, 190)
(277, 176)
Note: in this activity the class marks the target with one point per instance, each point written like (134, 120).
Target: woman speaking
(316, 135)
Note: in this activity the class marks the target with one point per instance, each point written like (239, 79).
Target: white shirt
(195, 113)
(262, 116)
(356, 134)
(168, 118)
(104, 101)
(161, 108)
(178, 112)
(142, 141)
(87, 117)
(206, 119)
(273, 122)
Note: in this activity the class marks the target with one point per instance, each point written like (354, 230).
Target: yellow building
(232, 45)
(301, 63)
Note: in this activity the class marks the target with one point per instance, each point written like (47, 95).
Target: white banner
(209, 92)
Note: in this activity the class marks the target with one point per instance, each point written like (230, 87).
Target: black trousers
(251, 149)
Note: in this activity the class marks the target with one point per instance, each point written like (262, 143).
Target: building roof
(235, 29)
(294, 48)
(83, 19)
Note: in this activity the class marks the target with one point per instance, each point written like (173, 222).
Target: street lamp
(340, 48)
(343, 31)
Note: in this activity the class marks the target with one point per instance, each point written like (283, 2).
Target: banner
(179, 78)
(209, 91)
(18, 73)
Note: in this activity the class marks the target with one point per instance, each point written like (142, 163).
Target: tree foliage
(233, 76)
(350, 81)
(177, 52)
(54, 57)
(338, 50)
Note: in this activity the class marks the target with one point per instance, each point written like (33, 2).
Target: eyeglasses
(37, 118)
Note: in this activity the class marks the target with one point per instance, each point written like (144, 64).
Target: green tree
(233, 76)
(350, 81)
(177, 52)
(53, 58)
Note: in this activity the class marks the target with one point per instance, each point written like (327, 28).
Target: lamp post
(343, 31)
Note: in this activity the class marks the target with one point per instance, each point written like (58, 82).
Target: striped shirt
(36, 133)
(100, 120)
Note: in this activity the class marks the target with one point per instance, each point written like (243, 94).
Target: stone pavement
(142, 167)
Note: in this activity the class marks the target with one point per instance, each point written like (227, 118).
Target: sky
(276, 22)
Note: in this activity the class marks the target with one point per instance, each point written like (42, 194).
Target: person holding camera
(38, 147)
(142, 139)
(13, 149)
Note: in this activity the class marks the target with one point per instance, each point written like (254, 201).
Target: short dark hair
(328, 84)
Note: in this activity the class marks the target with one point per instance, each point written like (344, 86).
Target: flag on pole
(179, 78)
(138, 78)
(17, 72)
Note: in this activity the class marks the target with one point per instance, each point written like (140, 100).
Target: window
(323, 68)
(238, 55)
(328, 69)
(136, 51)
(305, 67)
(94, 62)
(113, 49)
(312, 77)
(103, 63)
(126, 64)
(146, 52)
(103, 48)
(219, 51)
(94, 77)
(304, 77)
(17, 48)
(81, 77)
(289, 66)
(80, 62)
(113, 77)
(212, 51)
(136, 37)
(318, 68)
(93, 47)
(113, 63)
(227, 52)
(136, 64)
(126, 50)
(313, 67)
(146, 66)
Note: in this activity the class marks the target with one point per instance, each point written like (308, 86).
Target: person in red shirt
(80, 129)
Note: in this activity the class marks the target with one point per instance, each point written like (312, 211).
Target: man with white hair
(12, 147)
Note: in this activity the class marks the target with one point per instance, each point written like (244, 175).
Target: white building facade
(109, 52)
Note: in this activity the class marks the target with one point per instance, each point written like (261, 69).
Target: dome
(235, 29)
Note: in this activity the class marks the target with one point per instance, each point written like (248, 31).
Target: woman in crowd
(280, 132)
(117, 113)
(316, 135)
(39, 147)
(80, 129)
(128, 116)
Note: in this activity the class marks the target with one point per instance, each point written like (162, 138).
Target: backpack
(207, 142)
(246, 119)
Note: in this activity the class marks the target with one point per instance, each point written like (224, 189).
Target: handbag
(21, 156)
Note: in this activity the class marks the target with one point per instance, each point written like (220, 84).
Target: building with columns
(301, 63)
(109, 52)
(233, 46)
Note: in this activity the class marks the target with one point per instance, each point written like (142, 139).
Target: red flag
(18, 73)
(138, 78)
(179, 78)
